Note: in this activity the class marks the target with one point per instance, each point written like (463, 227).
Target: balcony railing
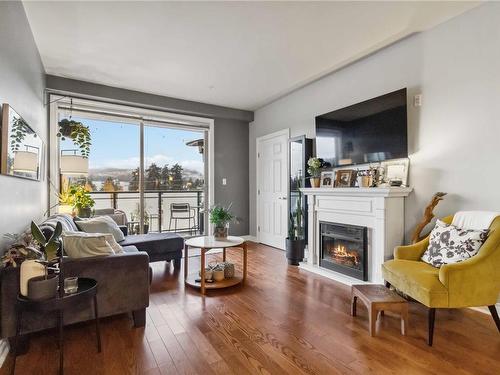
(156, 208)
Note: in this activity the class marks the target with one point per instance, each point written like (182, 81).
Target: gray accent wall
(453, 137)
(22, 83)
(230, 137)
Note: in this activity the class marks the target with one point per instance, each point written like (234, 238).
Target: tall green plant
(295, 220)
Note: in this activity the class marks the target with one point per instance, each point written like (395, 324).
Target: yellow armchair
(473, 282)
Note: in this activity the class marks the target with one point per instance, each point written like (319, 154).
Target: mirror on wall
(21, 147)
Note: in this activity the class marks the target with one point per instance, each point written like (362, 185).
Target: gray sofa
(123, 280)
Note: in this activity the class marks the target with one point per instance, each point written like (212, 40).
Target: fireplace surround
(380, 210)
(344, 249)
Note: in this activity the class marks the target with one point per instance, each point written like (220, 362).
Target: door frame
(258, 140)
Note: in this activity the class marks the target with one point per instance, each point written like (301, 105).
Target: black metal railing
(158, 216)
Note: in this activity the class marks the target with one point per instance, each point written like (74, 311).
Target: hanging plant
(79, 133)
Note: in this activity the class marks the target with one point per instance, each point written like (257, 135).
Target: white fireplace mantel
(379, 209)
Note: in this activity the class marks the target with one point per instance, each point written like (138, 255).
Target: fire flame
(341, 251)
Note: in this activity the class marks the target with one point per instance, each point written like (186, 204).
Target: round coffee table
(207, 243)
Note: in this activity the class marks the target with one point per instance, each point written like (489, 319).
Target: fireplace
(343, 248)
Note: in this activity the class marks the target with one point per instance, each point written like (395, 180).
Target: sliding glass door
(148, 174)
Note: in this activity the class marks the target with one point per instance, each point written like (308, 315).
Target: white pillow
(101, 224)
(449, 244)
(82, 245)
(112, 242)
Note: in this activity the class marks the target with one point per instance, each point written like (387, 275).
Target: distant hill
(121, 174)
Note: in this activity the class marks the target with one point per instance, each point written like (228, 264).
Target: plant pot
(65, 209)
(29, 269)
(295, 251)
(84, 212)
(41, 288)
(315, 182)
(220, 232)
(218, 275)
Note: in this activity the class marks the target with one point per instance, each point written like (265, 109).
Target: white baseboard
(4, 350)
(250, 238)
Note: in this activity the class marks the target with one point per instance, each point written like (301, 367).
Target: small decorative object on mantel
(374, 173)
(314, 169)
(363, 179)
(221, 217)
(327, 179)
(345, 177)
(428, 216)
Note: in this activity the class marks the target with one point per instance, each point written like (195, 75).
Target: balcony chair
(181, 211)
(471, 283)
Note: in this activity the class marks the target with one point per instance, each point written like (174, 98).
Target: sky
(116, 145)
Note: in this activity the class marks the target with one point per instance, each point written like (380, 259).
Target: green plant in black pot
(295, 242)
(82, 200)
(45, 287)
(221, 217)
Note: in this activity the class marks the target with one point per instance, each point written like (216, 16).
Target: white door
(272, 188)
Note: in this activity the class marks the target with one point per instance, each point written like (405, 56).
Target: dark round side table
(87, 291)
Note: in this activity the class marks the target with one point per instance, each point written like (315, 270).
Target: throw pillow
(112, 242)
(449, 244)
(101, 224)
(81, 245)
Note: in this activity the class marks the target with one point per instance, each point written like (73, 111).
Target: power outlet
(417, 100)
(224, 181)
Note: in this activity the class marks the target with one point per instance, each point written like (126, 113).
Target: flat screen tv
(371, 131)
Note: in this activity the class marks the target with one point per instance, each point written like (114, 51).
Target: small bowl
(218, 275)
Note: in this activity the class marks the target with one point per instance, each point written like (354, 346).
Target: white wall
(454, 138)
(22, 83)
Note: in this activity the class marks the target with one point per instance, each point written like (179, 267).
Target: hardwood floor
(284, 321)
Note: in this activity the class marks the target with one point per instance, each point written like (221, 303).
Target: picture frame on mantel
(394, 171)
(345, 178)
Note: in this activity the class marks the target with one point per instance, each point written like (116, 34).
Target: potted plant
(221, 217)
(136, 216)
(82, 200)
(295, 242)
(314, 169)
(45, 287)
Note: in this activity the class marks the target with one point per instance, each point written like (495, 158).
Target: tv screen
(367, 132)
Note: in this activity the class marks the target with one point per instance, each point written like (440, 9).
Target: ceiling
(235, 54)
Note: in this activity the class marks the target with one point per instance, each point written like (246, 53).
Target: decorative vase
(84, 212)
(218, 275)
(228, 269)
(41, 288)
(315, 182)
(221, 232)
(295, 251)
(29, 269)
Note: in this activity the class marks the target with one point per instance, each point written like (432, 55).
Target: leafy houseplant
(221, 217)
(81, 200)
(295, 242)
(314, 169)
(45, 287)
(79, 133)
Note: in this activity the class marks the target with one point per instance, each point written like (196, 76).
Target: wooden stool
(379, 298)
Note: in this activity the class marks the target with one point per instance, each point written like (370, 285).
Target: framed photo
(345, 178)
(327, 179)
(395, 172)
